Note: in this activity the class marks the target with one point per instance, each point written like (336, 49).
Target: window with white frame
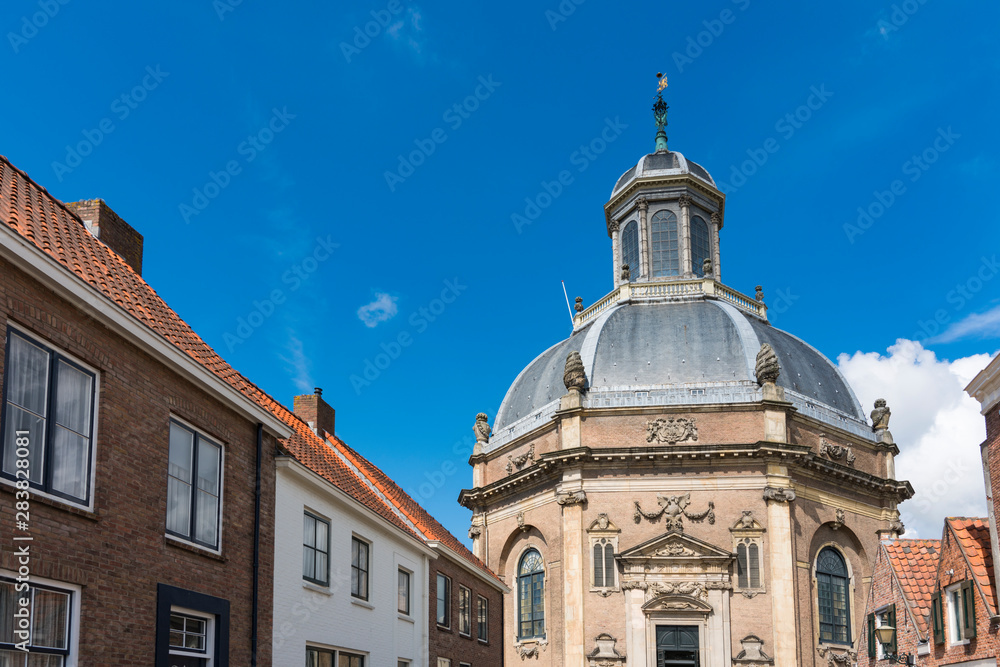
(961, 612)
(315, 549)
(191, 639)
(325, 657)
(40, 617)
(443, 601)
(403, 595)
(444, 662)
(483, 619)
(48, 419)
(464, 611)
(359, 568)
(194, 486)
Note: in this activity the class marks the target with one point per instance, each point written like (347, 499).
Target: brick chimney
(112, 231)
(312, 409)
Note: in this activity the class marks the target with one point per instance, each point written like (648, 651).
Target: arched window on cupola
(701, 247)
(833, 590)
(630, 249)
(665, 255)
(531, 596)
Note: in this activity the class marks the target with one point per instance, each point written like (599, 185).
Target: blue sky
(254, 155)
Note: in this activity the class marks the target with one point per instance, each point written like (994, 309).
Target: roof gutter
(52, 274)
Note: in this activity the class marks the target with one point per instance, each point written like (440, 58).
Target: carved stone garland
(836, 452)
(675, 509)
(518, 462)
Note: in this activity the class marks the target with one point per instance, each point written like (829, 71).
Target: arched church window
(701, 247)
(832, 590)
(531, 596)
(630, 249)
(604, 563)
(665, 255)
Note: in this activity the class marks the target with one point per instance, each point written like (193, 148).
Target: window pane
(754, 565)
(700, 246)
(609, 565)
(49, 615)
(28, 369)
(20, 420)
(208, 466)
(664, 241)
(8, 605)
(322, 536)
(178, 507)
(403, 595)
(741, 565)
(598, 565)
(181, 448)
(321, 567)
(308, 531)
(630, 249)
(308, 562)
(73, 398)
(70, 462)
(207, 521)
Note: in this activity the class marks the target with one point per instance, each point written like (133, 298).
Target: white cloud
(298, 363)
(976, 325)
(382, 309)
(936, 425)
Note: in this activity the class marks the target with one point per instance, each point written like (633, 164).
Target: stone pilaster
(684, 236)
(782, 567)
(643, 206)
(716, 261)
(569, 425)
(573, 571)
(616, 255)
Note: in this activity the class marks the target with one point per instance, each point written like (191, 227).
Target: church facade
(678, 482)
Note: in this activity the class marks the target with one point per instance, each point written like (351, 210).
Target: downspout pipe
(256, 546)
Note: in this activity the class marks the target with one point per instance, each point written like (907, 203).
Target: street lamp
(886, 635)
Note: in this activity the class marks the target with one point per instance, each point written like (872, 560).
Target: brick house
(373, 601)
(113, 407)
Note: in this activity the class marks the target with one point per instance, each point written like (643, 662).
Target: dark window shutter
(936, 620)
(598, 565)
(741, 566)
(871, 636)
(892, 622)
(969, 609)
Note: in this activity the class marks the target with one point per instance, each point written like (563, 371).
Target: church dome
(678, 353)
(662, 163)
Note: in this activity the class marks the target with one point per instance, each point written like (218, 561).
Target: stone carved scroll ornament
(837, 452)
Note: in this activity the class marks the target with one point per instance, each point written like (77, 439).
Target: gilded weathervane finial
(660, 114)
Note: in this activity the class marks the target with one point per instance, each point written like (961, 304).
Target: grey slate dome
(678, 353)
(663, 163)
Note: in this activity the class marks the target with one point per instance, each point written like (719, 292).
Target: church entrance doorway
(677, 646)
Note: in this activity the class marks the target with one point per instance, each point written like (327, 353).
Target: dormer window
(665, 255)
(630, 249)
(701, 247)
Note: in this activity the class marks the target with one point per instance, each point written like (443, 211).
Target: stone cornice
(647, 182)
(547, 467)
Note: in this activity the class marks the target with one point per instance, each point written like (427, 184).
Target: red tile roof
(36, 215)
(914, 564)
(973, 537)
(420, 517)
